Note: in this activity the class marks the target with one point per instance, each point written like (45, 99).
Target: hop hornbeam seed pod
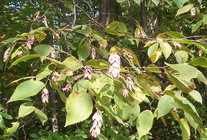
(53, 53)
(114, 69)
(87, 72)
(67, 88)
(45, 96)
(93, 53)
(193, 11)
(129, 82)
(127, 54)
(30, 41)
(6, 54)
(125, 91)
(97, 123)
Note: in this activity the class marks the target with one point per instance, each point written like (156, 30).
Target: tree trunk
(104, 12)
(143, 21)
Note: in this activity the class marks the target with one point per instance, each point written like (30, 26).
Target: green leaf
(116, 28)
(186, 106)
(185, 129)
(196, 96)
(200, 61)
(25, 109)
(6, 116)
(153, 68)
(78, 107)
(26, 89)
(184, 9)
(2, 125)
(166, 49)
(120, 1)
(41, 115)
(144, 122)
(72, 63)
(43, 49)
(11, 130)
(83, 51)
(152, 49)
(196, 26)
(45, 71)
(23, 59)
(98, 63)
(186, 71)
(61, 94)
(81, 86)
(175, 34)
(165, 105)
(156, 2)
(137, 1)
(181, 56)
(182, 85)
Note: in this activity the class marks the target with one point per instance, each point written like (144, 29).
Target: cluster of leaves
(166, 70)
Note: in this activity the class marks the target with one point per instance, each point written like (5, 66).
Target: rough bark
(143, 21)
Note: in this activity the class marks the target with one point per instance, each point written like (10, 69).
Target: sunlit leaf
(184, 9)
(144, 122)
(185, 129)
(22, 92)
(78, 107)
(196, 96)
(25, 109)
(11, 130)
(181, 56)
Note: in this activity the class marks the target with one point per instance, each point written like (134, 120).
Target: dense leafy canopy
(131, 69)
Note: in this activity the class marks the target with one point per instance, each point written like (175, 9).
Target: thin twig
(74, 14)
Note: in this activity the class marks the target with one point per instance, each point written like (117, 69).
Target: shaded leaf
(11, 130)
(41, 115)
(43, 49)
(200, 61)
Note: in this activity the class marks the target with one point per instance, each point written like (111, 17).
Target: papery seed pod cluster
(200, 52)
(87, 72)
(127, 54)
(53, 53)
(6, 54)
(93, 53)
(97, 123)
(30, 41)
(67, 88)
(129, 82)
(45, 96)
(55, 77)
(177, 45)
(114, 69)
(193, 11)
(125, 91)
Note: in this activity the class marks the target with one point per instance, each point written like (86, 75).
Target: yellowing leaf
(166, 49)
(155, 56)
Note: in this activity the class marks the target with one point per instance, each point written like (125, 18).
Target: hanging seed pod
(114, 69)
(45, 96)
(97, 123)
(177, 45)
(87, 72)
(127, 54)
(129, 82)
(30, 41)
(55, 77)
(93, 53)
(67, 88)
(193, 11)
(6, 54)
(53, 53)
(125, 91)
